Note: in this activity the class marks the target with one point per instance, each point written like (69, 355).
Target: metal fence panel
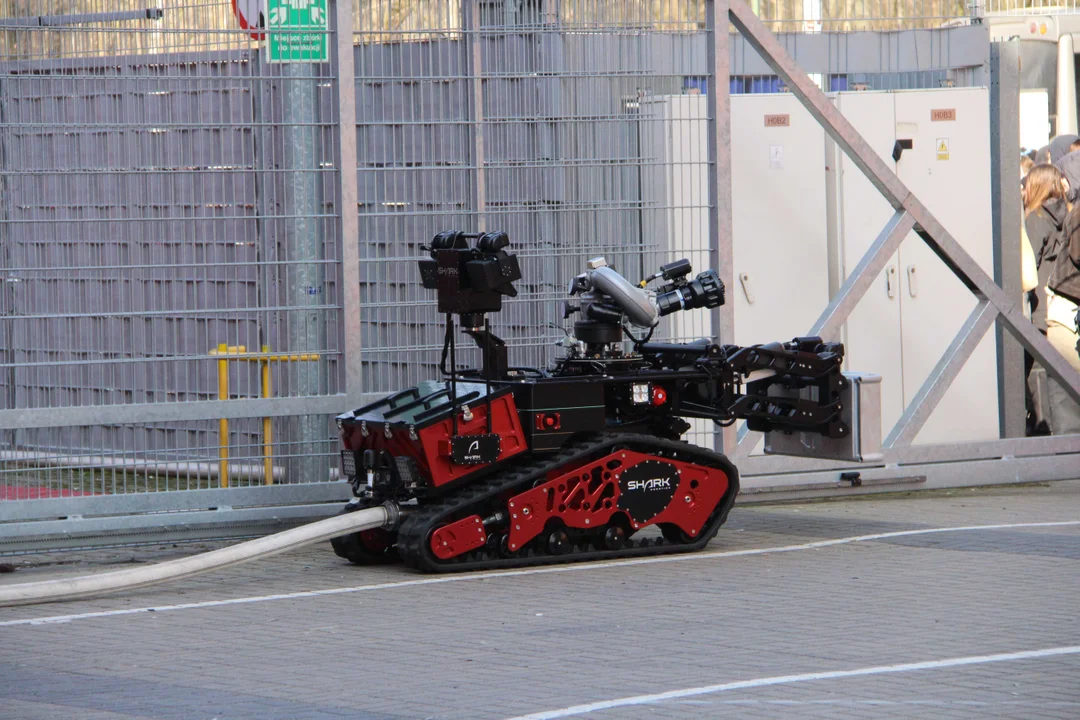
(159, 204)
(167, 192)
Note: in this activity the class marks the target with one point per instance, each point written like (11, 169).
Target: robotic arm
(793, 386)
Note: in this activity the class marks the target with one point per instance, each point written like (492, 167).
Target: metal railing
(1024, 7)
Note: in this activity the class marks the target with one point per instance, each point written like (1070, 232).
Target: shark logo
(659, 483)
(647, 489)
(475, 449)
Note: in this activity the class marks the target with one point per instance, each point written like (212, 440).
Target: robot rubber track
(488, 495)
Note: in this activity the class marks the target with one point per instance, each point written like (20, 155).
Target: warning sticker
(942, 148)
(776, 157)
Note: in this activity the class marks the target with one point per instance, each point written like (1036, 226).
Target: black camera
(704, 291)
(470, 279)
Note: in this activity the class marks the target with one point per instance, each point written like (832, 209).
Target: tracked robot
(501, 466)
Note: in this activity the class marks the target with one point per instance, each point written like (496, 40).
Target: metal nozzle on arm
(704, 291)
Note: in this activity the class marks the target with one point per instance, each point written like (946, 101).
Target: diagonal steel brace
(903, 201)
(941, 377)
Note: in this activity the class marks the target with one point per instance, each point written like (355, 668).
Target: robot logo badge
(648, 488)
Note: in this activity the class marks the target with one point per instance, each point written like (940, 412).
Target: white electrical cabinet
(861, 214)
(779, 227)
(778, 195)
(915, 308)
(801, 208)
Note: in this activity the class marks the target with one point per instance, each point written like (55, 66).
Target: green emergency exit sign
(296, 31)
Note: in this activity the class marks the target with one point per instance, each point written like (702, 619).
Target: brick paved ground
(496, 647)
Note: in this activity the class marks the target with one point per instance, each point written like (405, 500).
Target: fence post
(7, 282)
(721, 253)
(1005, 201)
(470, 25)
(306, 275)
(348, 203)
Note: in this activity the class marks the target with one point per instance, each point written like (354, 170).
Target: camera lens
(492, 242)
(447, 240)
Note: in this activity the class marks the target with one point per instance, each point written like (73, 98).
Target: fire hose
(385, 515)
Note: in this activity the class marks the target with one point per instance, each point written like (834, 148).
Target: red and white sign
(249, 13)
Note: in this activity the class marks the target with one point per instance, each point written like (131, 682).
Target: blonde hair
(1042, 183)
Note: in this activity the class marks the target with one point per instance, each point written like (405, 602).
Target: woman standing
(1062, 318)
(1045, 211)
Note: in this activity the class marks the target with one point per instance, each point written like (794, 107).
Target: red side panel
(588, 496)
(430, 449)
(459, 537)
(435, 439)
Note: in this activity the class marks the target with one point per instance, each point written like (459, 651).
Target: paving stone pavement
(498, 646)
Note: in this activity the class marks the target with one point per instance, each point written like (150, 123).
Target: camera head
(470, 280)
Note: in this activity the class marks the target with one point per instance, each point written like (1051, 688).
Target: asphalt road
(948, 605)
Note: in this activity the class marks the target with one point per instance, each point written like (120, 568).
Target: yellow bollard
(224, 353)
(223, 423)
(268, 428)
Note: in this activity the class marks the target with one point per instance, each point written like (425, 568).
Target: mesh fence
(167, 194)
(170, 218)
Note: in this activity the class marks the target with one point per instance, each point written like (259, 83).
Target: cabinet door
(779, 227)
(948, 169)
(872, 338)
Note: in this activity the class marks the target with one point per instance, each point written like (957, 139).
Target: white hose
(264, 547)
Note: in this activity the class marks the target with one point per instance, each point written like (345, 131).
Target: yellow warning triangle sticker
(943, 146)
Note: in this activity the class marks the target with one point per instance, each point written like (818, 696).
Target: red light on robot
(659, 397)
(548, 421)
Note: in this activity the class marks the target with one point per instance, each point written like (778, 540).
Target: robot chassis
(502, 466)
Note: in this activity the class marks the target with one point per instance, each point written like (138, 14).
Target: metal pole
(1005, 198)
(721, 253)
(7, 282)
(470, 21)
(39, 21)
(348, 202)
(306, 286)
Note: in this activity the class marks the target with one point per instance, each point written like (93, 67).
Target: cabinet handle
(744, 280)
(890, 281)
(913, 288)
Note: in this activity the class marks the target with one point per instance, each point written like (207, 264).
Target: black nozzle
(704, 291)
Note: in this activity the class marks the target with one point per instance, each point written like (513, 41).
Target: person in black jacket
(1058, 148)
(1045, 208)
(1069, 165)
(1062, 318)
